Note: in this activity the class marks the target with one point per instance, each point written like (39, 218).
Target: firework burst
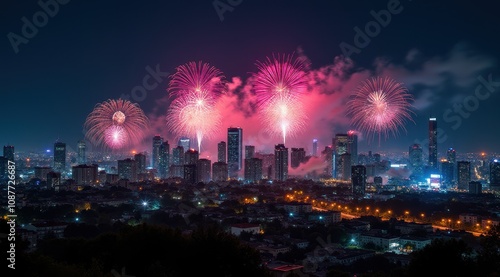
(380, 106)
(196, 88)
(280, 85)
(116, 124)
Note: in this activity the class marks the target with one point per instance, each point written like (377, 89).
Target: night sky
(91, 51)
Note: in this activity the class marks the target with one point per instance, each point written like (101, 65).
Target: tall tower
(185, 142)
(8, 152)
(281, 162)
(155, 157)
(315, 148)
(164, 160)
(358, 177)
(191, 157)
(82, 158)
(59, 156)
(234, 150)
(249, 151)
(140, 160)
(203, 170)
(416, 163)
(221, 152)
(352, 146)
(495, 175)
(463, 175)
(433, 162)
(340, 146)
(297, 156)
(253, 169)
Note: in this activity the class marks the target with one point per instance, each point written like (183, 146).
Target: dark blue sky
(91, 51)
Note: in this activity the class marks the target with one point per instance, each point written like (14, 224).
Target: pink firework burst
(196, 88)
(280, 84)
(198, 76)
(380, 106)
(116, 124)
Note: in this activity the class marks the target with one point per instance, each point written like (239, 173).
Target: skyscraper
(344, 169)
(204, 169)
(81, 155)
(8, 152)
(253, 169)
(267, 164)
(447, 170)
(234, 150)
(352, 146)
(219, 172)
(297, 156)
(59, 156)
(249, 151)
(140, 160)
(164, 160)
(127, 169)
(340, 146)
(495, 175)
(315, 148)
(190, 173)
(177, 167)
(84, 174)
(463, 175)
(221, 152)
(155, 155)
(185, 142)
(191, 157)
(328, 155)
(358, 177)
(280, 162)
(416, 163)
(433, 162)
(451, 155)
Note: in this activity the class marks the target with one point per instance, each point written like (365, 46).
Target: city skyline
(452, 78)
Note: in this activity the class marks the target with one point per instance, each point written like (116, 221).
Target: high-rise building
(234, 150)
(328, 154)
(127, 169)
(59, 156)
(53, 179)
(463, 171)
(249, 151)
(190, 173)
(191, 157)
(178, 155)
(219, 172)
(447, 169)
(41, 172)
(495, 175)
(451, 155)
(352, 146)
(315, 148)
(358, 178)
(164, 161)
(8, 152)
(221, 152)
(416, 163)
(185, 142)
(140, 160)
(280, 162)
(81, 155)
(253, 170)
(155, 155)
(177, 167)
(267, 165)
(297, 156)
(344, 170)
(85, 175)
(433, 161)
(203, 170)
(475, 187)
(4, 165)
